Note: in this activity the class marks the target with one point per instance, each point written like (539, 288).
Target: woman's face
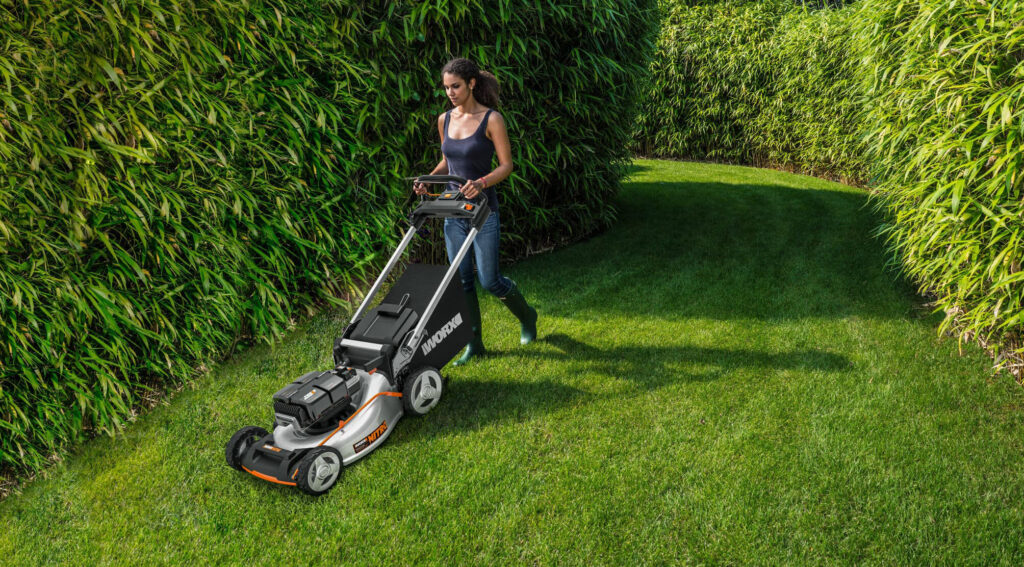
(456, 88)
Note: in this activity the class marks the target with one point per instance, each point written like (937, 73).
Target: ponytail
(486, 90)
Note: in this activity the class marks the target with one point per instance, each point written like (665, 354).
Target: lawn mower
(386, 365)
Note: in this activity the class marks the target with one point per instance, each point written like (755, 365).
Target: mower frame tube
(387, 270)
(407, 350)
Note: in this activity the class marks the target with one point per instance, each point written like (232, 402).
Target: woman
(471, 134)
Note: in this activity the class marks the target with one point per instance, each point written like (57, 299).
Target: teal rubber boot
(527, 315)
(476, 345)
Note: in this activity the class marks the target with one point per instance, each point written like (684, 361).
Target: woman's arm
(498, 134)
(442, 166)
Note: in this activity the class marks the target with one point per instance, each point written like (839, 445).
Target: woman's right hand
(420, 188)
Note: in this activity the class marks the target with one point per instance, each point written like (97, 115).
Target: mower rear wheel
(422, 391)
(240, 443)
(319, 470)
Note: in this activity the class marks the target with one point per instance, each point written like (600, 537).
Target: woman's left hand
(471, 189)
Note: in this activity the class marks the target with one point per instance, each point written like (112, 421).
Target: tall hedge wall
(945, 126)
(762, 83)
(920, 99)
(176, 175)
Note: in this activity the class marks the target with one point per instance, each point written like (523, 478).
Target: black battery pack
(315, 399)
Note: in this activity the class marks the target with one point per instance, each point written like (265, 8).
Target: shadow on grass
(725, 251)
(655, 367)
(471, 404)
(634, 168)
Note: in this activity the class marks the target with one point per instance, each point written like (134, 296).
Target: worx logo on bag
(441, 334)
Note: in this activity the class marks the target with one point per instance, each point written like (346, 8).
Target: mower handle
(447, 194)
(438, 179)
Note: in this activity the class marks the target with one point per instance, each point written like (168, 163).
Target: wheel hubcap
(323, 472)
(427, 391)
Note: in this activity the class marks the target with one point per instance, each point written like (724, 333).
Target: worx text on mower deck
(387, 364)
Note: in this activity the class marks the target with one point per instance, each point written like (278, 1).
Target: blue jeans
(484, 250)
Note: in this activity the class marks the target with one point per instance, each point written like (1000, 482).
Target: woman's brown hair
(486, 90)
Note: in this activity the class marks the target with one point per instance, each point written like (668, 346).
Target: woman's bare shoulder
(497, 119)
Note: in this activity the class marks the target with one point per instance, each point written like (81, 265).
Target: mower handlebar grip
(439, 179)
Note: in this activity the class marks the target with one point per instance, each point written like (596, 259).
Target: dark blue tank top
(470, 157)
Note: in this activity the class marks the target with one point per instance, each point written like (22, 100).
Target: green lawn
(729, 375)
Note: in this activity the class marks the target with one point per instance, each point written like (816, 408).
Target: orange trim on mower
(342, 423)
(268, 478)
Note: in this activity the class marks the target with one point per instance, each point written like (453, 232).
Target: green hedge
(179, 175)
(708, 79)
(763, 83)
(921, 99)
(760, 83)
(946, 140)
(812, 121)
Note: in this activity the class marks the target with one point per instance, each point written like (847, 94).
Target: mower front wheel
(319, 470)
(240, 443)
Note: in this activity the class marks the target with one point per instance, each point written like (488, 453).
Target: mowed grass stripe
(730, 375)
